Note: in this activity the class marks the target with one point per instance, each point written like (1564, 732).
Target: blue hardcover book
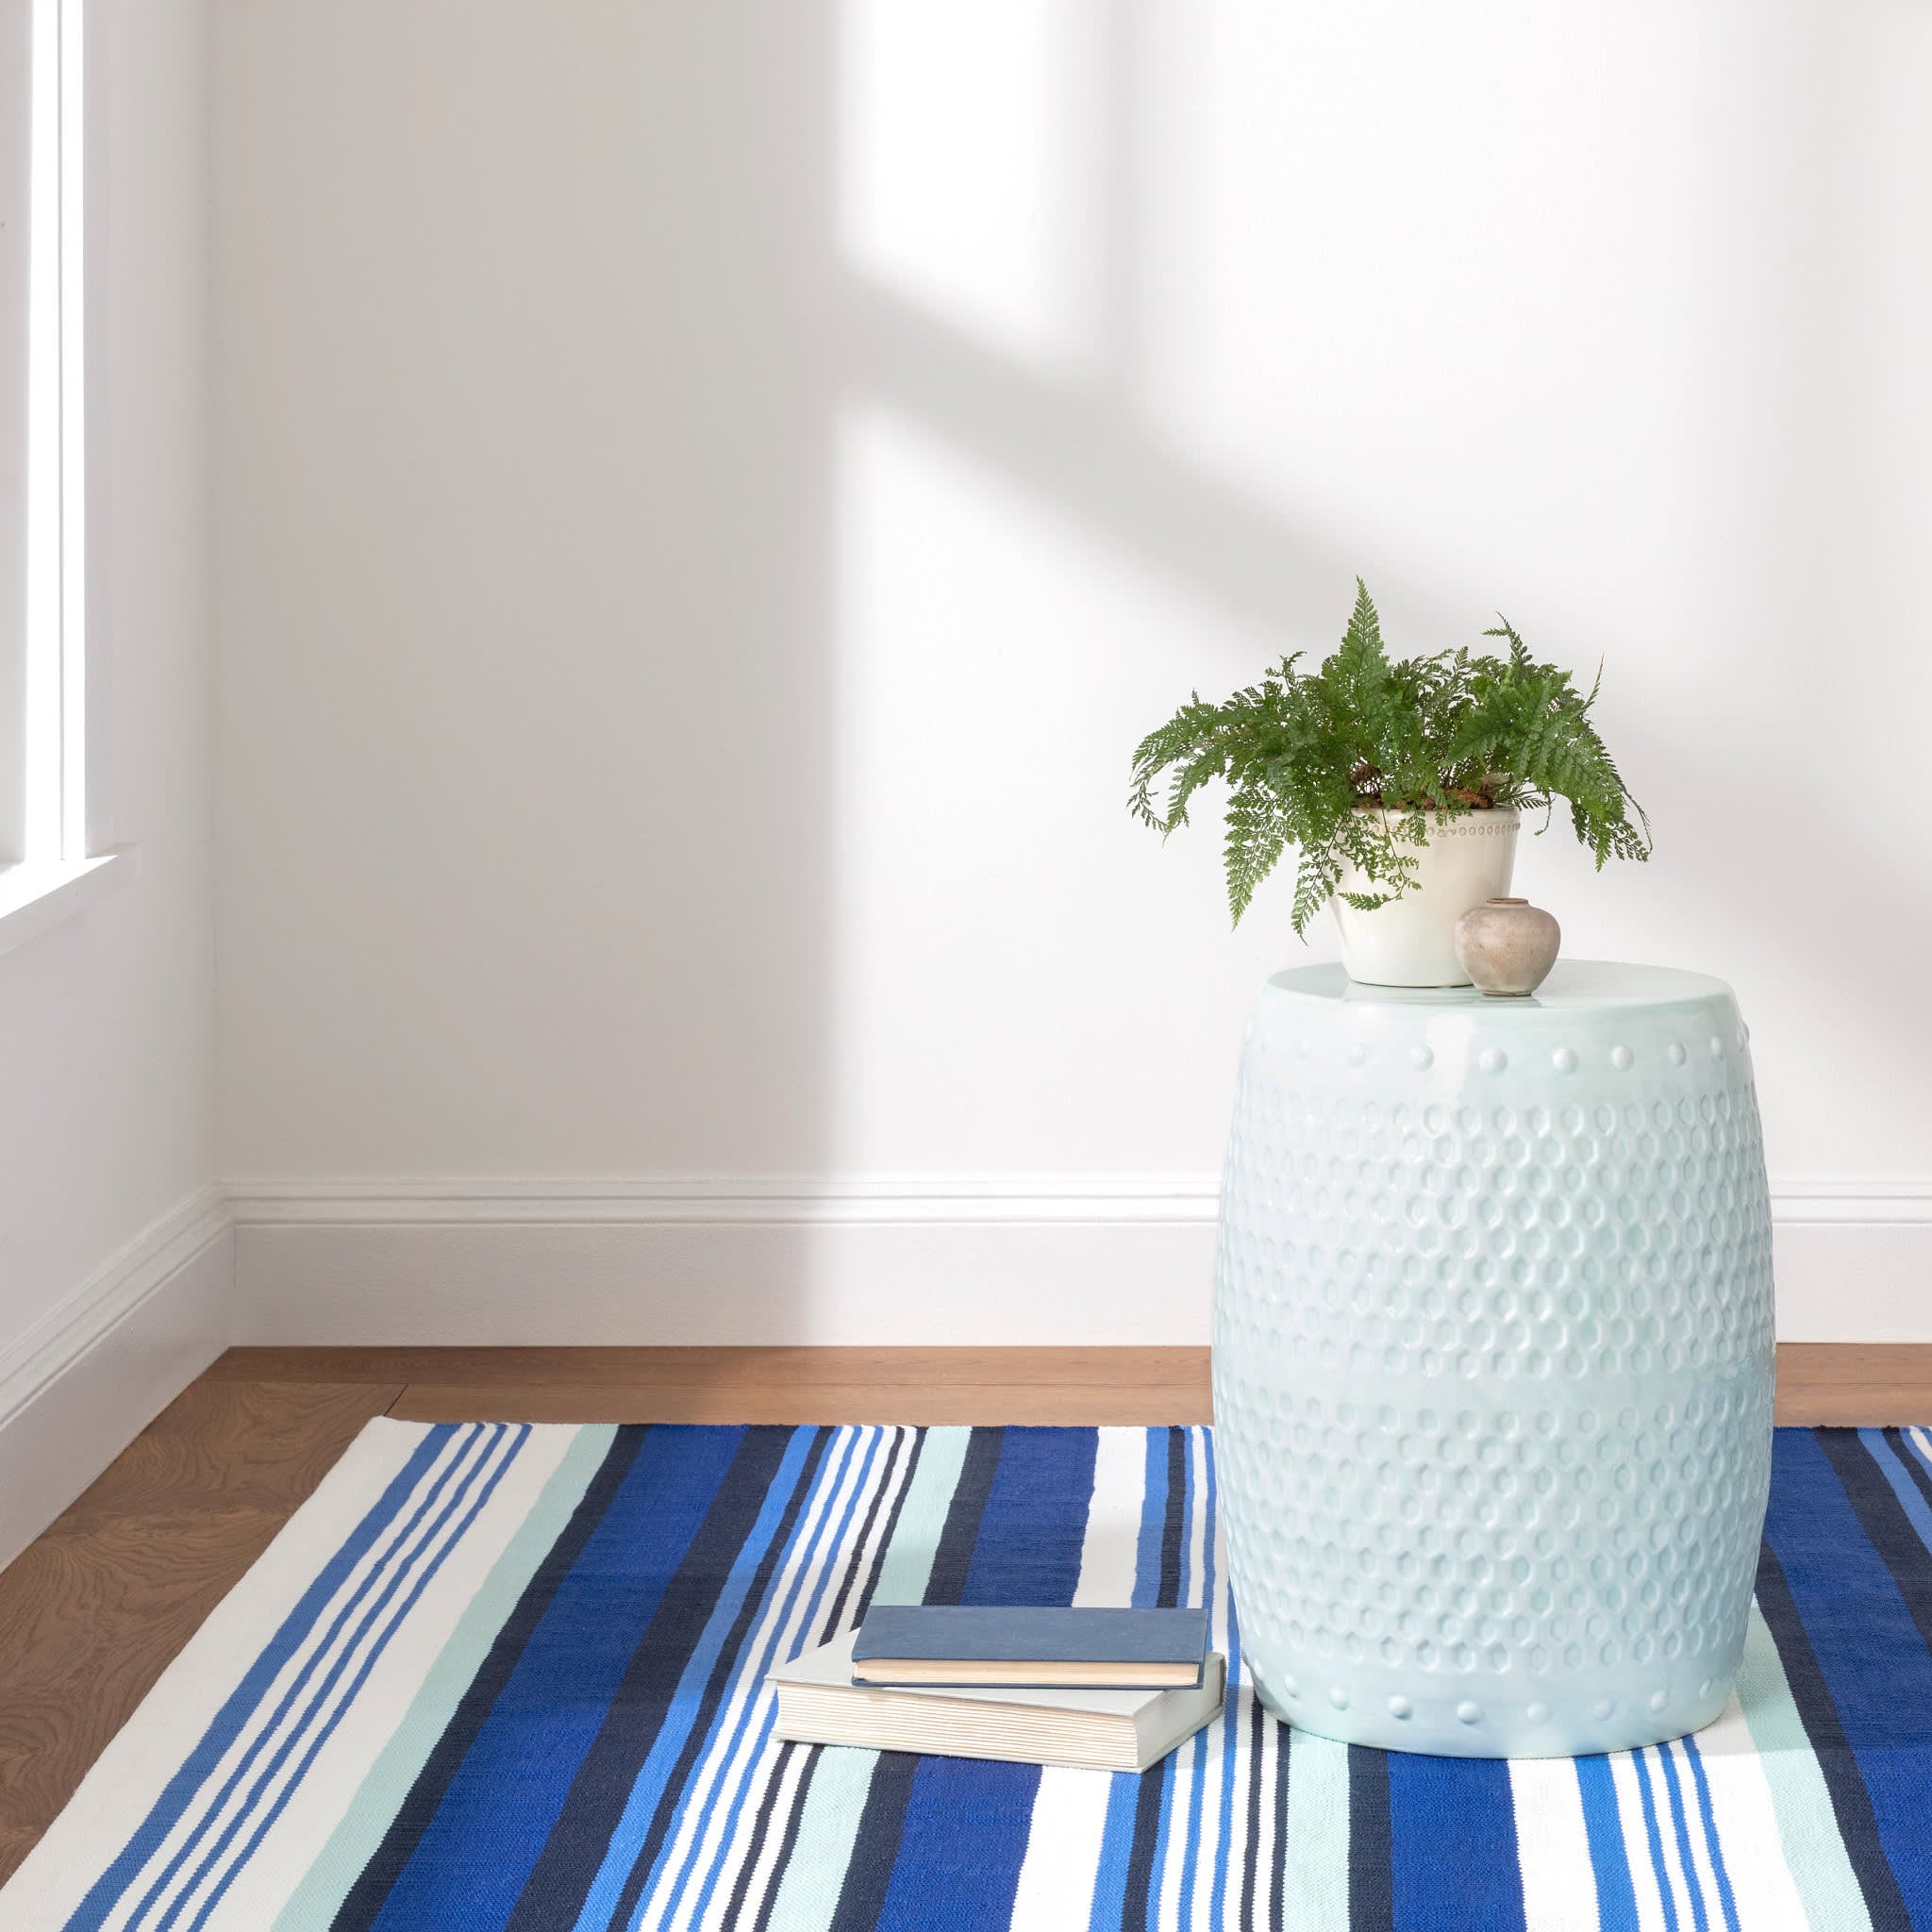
(945, 1644)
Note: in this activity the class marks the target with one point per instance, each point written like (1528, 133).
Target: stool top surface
(1575, 986)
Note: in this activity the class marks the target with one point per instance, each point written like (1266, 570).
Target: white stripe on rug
(1057, 1875)
(1553, 1846)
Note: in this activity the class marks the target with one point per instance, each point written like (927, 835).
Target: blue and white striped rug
(502, 1678)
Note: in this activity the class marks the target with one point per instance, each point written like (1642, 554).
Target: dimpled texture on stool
(1492, 1358)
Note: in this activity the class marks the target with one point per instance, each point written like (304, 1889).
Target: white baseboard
(965, 1260)
(976, 1261)
(79, 1385)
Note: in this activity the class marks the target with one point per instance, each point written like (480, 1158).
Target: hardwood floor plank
(750, 1368)
(1818, 1382)
(1869, 1383)
(811, 1400)
(95, 1609)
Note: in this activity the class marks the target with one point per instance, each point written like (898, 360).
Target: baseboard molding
(964, 1260)
(92, 1374)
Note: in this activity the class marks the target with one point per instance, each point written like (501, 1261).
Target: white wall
(112, 1260)
(710, 495)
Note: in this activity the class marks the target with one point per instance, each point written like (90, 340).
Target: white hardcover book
(1107, 1730)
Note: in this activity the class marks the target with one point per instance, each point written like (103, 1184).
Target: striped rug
(503, 1676)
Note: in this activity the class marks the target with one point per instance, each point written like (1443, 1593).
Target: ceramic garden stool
(1492, 1358)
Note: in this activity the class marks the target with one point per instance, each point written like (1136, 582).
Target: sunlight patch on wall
(967, 163)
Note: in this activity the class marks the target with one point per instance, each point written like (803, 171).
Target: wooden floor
(93, 1610)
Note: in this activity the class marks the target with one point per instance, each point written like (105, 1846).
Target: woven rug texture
(497, 1677)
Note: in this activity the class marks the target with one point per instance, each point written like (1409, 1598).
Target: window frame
(50, 865)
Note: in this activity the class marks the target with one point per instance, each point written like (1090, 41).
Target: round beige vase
(1412, 940)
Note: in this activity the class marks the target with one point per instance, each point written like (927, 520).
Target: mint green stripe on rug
(319, 1895)
(1806, 1824)
(1314, 1886)
(908, 1567)
(808, 1891)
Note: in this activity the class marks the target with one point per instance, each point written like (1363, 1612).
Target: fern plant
(1350, 763)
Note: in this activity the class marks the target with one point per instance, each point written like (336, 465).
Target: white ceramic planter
(1412, 940)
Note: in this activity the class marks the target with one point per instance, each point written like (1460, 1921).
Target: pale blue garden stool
(1492, 1358)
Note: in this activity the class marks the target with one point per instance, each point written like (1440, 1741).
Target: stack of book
(1116, 1690)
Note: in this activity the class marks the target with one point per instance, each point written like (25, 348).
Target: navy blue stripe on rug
(876, 1847)
(1854, 1662)
(419, 1808)
(1371, 1890)
(637, 1728)
(1252, 1849)
(513, 1781)
(952, 1561)
(1034, 1523)
(1888, 1528)
(1452, 1835)
(725, 1666)
(1278, 1883)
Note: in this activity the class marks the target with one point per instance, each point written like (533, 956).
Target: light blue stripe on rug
(1616, 1892)
(369, 1661)
(318, 1898)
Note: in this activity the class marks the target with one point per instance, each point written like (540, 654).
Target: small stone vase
(1507, 947)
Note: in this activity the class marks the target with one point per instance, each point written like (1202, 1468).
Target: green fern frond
(1424, 740)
